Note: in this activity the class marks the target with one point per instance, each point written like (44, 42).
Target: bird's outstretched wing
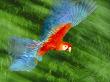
(24, 54)
(67, 11)
(57, 34)
(23, 63)
(18, 45)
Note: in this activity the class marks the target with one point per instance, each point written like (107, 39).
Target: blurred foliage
(90, 57)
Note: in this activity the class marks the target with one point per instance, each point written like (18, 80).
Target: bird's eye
(65, 47)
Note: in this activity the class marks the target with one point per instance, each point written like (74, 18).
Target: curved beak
(69, 49)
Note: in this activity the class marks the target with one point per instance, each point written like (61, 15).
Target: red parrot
(55, 40)
(65, 15)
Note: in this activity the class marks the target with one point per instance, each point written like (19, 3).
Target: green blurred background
(90, 57)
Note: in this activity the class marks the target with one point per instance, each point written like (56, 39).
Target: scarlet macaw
(65, 15)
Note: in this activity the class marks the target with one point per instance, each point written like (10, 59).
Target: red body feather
(55, 40)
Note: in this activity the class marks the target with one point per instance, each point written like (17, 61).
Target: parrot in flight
(65, 14)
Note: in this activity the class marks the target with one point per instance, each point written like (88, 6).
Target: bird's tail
(69, 11)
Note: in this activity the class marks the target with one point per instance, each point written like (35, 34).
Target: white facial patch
(65, 47)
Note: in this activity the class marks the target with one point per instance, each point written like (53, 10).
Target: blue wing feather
(18, 45)
(23, 63)
(68, 11)
(24, 54)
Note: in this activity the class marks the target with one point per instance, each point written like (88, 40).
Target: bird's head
(65, 46)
